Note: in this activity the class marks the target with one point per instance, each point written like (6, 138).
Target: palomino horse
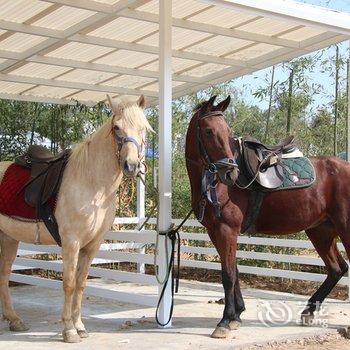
(85, 209)
(322, 210)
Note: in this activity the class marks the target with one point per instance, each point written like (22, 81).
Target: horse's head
(213, 137)
(129, 125)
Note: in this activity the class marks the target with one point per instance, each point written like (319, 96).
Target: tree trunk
(290, 95)
(335, 145)
(270, 104)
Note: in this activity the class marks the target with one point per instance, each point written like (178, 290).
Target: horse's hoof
(234, 325)
(220, 332)
(18, 326)
(71, 336)
(346, 332)
(82, 333)
(307, 320)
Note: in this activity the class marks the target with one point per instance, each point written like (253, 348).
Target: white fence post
(141, 215)
(164, 147)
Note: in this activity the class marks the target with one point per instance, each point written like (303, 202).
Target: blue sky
(250, 83)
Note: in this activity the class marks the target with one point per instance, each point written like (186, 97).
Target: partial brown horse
(322, 210)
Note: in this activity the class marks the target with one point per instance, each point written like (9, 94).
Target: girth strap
(254, 205)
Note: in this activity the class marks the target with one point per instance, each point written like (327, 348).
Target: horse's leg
(239, 304)
(8, 254)
(323, 238)
(86, 256)
(226, 245)
(70, 253)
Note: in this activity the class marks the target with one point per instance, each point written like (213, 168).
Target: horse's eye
(116, 128)
(208, 132)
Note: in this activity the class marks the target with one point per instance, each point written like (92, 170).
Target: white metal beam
(212, 29)
(165, 153)
(41, 99)
(74, 85)
(96, 66)
(304, 14)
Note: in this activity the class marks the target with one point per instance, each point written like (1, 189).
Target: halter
(121, 140)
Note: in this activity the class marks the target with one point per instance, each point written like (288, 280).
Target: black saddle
(44, 182)
(260, 163)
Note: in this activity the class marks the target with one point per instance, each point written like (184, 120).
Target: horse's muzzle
(228, 176)
(131, 169)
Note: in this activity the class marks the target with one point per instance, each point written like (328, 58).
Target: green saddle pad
(297, 173)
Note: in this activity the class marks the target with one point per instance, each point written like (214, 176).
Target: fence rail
(127, 246)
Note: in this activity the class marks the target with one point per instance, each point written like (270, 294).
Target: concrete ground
(270, 319)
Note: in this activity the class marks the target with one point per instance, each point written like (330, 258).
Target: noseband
(121, 140)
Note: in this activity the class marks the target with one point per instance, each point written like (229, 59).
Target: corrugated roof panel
(79, 51)
(129, 81)
(205, 69)
(63, 18)
(125, 29)
(180, 8)
(302, 34)
(125, 58)
(39, 70)
(254, 52)
(13, 88)
(21, 10)
(178, 64)
(155, 86)
(19, 42)
(87, 95)
(181, 38)
(268, 26)
(219, 45)
(50, 91)
(86, 76)
(223, 18)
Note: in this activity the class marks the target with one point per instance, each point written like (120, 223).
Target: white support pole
(164, 137)
(141, 215)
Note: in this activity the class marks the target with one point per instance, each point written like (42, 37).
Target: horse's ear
(222, 106)
(208, 105)
(141, 102)
(112, 104)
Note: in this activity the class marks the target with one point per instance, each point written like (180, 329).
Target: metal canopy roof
(59, 51)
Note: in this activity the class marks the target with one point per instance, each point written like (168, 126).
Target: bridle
(213, 170)
(225, 163)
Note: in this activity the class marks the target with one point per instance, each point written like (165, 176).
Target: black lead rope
(174, 235)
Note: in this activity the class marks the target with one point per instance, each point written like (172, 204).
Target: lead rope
(174, 235)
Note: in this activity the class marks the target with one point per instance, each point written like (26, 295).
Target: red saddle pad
(12, 202)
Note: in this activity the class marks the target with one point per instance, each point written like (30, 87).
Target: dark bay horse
(322, 210)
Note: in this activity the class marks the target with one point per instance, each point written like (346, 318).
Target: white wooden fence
(128, 246)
